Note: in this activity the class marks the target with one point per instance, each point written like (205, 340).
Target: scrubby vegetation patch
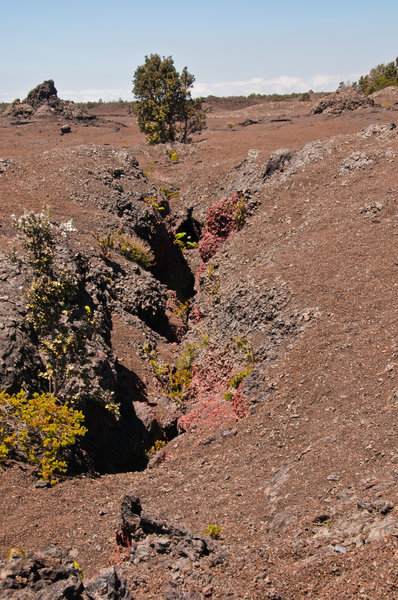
(124, 246)
(379, 78)
(38, 429)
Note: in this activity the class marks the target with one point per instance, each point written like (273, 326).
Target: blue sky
(92, 48)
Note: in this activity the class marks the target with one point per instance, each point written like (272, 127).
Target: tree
(379, 77)
(165, 109)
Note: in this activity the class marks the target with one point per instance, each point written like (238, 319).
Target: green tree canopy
(165, 110)
(379, 77)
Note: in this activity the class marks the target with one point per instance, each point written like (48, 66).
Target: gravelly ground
(304, 488)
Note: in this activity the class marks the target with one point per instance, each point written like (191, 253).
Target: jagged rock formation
(43, 101)
(146, 297)
(349, 99)
(54, 574)
(148, 541)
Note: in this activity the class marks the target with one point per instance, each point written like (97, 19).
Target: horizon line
(280, 85)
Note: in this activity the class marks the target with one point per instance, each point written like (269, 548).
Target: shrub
(235, 382)
(173, 156)
(52, 307)
(379, 77)
(246, 346)
(148, 172)
(38, 429)
(152, 202)
(168, 193)
(63, 327)
(39, 239)
(175, 380)
(182, 241)
(214, 531)
(125, 246)
(165, 109)
(240, 212)
(48, 298)
(133, 251)
(158, 445)
(182, 311)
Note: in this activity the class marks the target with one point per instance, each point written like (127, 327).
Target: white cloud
(278, 85)
(257, 85)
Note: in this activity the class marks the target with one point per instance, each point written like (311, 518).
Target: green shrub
(274, 97)
(158, 445)
(379, 77)
(152, 202)
(175, 380)
(126, 247)
(245, 345)
(168, 193)
(52, 307)
(235, 382)
(214, 531)
(48, 298)
(181, 240)
(133, 251)
(173, 156)
(182, 311)
(240, 213)
(38, 429)
(63, 327)
(148, 172)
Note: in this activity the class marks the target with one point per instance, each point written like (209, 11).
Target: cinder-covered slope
(285, 356)
(305, 487)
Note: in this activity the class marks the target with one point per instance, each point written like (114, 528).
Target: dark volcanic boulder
(48, 575)
(53, 575)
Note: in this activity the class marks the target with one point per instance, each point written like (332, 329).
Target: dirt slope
(299, 468)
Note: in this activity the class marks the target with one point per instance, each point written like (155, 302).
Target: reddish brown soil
(299, 487)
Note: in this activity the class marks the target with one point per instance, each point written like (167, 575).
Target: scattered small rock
(333, 477)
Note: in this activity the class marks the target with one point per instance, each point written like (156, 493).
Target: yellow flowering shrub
(38, 429)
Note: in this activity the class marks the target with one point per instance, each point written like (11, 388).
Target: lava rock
(108, 586)
(340, 101)
(48, 575)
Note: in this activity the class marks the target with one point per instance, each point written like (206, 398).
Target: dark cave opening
(191, 227)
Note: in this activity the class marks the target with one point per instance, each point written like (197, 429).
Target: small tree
(379, 77)
(165, 109)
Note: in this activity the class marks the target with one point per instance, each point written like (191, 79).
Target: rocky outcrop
(349, 99)
(53, 574)
(138, 524)
(150, 542)
(113, 286)
(43, 101)
(45, 92)
(19, 361)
